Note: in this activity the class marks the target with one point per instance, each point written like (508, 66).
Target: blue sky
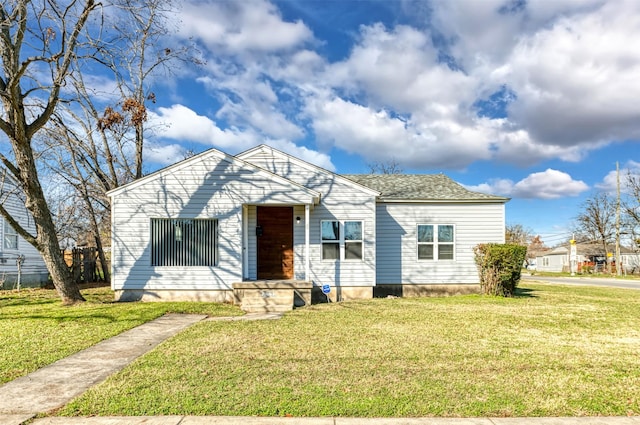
(533, 100)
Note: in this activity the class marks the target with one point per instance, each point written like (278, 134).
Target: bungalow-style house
(556, 260)
(20, 263)
(265, 220)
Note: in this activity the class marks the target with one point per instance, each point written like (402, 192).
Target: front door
(275, 242)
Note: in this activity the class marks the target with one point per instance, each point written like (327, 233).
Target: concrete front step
(271, 296)
(259, 300)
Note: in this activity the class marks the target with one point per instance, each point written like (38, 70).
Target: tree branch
(68, 47)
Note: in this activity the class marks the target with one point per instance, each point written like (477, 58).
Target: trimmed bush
(499, 266)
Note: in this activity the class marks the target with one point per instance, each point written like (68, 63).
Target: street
(578, 280)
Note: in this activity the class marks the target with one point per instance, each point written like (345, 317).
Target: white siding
(553, 263)
(211, 187)
(341, 200)
(630, 262)
(397, 241)
(34, 271)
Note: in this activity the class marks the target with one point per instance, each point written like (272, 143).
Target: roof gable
(421, 187)
(246, 156)
(189, 162)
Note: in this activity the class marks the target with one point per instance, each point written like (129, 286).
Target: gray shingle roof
(413, 187)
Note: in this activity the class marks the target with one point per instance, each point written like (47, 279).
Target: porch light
(298, 220)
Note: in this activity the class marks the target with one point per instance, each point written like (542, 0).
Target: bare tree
(390, 166)
(517, 234)
(597, 219)
(535, 248)
(38, 43)
(103, 145)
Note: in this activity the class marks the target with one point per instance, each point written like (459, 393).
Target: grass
(582, 275)
(551, 351)
(36, 329)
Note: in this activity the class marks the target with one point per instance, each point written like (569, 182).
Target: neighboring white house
(32, 271)
(556, 260)
(630, 262)
(196, 228)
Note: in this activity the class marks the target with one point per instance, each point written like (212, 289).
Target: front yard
(551, 351)
(36, 329)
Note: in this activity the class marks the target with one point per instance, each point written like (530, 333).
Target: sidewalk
(234, 420)
(55, 385)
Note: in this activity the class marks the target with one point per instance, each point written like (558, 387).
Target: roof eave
(442, 201)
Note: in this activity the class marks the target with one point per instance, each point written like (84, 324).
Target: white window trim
(342, 242)
(5, 226)
(436, 244)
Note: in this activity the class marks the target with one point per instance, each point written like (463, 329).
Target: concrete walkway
(55, 385)
(234, 420)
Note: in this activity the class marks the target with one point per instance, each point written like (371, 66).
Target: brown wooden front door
(275, 242)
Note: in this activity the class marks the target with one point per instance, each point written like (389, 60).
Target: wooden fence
(83, 264)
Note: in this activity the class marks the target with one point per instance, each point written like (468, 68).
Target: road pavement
(579, 280)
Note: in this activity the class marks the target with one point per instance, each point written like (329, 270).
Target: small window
(425, 242)
(435, 242)
(445, 242)
(341, 237)
(184, 242)
(330, 240)
(353, 240)
(10, 236)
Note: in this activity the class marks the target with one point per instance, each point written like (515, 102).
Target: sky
(532, 100)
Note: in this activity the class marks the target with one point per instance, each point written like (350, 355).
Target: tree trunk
(46, 240)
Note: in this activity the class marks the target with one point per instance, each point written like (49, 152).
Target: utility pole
(618, 262)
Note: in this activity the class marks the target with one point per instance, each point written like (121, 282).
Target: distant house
(556, 260)
(13, 248)
(215, 222)
(630, 261)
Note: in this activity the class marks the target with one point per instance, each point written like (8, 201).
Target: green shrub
(499, 266)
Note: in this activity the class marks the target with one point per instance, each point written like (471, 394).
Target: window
(330, 240)
(435, 241)
(336, 234)
(353, 240)
(184, 242)
(10, 236)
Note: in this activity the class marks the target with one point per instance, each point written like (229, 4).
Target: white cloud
(181, 123)
(241, 27)
(376, 135)
(549, 184)
(399, 68)
(164, 154)
(576, 81)
(304, 153)
(401, 94)
(570, 65)
(610, 181)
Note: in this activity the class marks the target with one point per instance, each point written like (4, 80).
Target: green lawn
(551, 351)
(36, 329)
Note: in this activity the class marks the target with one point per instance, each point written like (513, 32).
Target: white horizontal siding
(211, 188)
(555, 263)
(33, 269)
(340, 200)
(397, 241)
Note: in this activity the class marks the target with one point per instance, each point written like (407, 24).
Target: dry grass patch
(552, 351)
